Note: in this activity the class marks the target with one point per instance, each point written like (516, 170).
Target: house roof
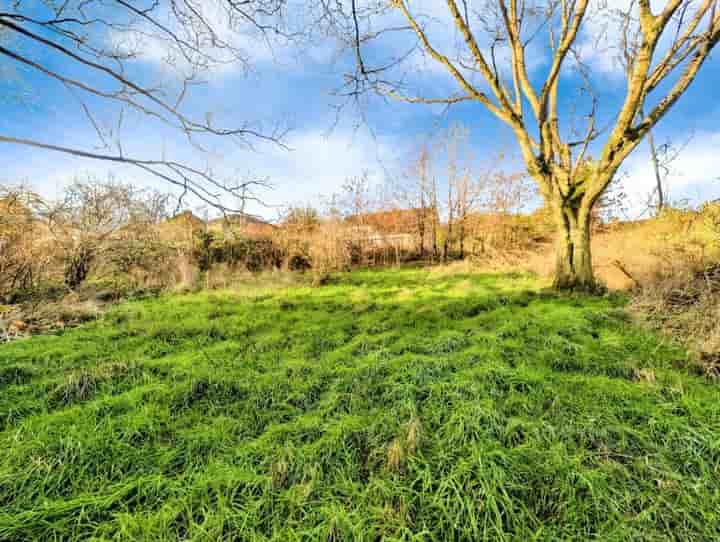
(391, 220)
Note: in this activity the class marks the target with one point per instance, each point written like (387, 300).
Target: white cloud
(694, 175)
(601, 37)
(428, 78)
(238, 43)
(598, 44)
(316, 164)
(319, 163)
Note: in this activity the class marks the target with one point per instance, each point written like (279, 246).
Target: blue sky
(295, 90)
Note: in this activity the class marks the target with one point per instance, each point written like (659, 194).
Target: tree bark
(573, 264)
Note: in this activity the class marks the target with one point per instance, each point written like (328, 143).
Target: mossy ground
(394, 405)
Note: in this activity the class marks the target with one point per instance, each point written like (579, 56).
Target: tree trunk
(446, 242)
(658, 177)
(434, 224)
(421, 233)
(77, 267)
(573, 267)
(462, 239)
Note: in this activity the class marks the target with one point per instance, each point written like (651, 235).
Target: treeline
(106, 240)
(110, 237)
(115, 237)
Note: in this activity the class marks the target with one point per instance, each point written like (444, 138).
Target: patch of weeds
(209, 390)
(82, 385)
(14, 375)
(446, 343)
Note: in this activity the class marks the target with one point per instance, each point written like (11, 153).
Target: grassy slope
(391, 405)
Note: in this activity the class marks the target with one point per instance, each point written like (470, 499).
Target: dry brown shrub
(329, 248)
(25, 254)
(186, 275)
(645, 375)
(414, 435)
(677, 261)
(685, 305)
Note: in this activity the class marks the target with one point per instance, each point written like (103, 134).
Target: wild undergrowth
(393, 405)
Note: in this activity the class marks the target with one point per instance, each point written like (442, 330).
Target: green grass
(397, 405)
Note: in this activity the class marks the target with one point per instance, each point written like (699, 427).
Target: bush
(298, 262)
(254, 254)
(24, 251)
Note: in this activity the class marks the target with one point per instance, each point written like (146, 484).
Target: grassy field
(396, 405)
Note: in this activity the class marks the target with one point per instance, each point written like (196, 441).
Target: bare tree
(468, 189)
(415, 193)
(92, 48)
(434, 203)
(661, 157)
(355, 197)
(659, 185)
(301, 218)
(99, 218)
(356, 202)
(458, 185)
(505, 197)
(508, 193)
(23, 259)
(663, 50)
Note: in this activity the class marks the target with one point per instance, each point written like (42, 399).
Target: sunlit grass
(397, 405)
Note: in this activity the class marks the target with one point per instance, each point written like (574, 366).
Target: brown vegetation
(62, 262)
